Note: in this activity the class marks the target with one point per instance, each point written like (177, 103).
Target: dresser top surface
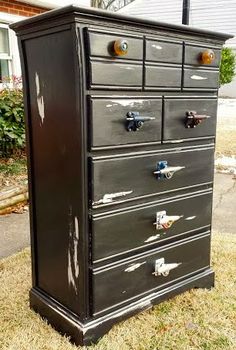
(88, 13)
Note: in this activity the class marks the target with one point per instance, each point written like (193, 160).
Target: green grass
(196, 320)
(13, 171)
(16, 167)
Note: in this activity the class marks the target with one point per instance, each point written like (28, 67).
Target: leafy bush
(227, 66)
(12, 128)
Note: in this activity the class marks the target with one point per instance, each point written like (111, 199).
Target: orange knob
(208, 56)
(121, 47)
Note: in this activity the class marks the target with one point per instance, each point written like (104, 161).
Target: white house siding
(218, 15)
(161, 10)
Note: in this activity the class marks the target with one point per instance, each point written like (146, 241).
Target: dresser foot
(91, 331)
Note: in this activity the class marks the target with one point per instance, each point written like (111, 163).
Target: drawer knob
(136, 121)
(163, 269)
(207, 56)
(121, 47)
(166, 172)
(193, 119)
(164, 221)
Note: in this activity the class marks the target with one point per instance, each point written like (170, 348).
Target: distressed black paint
(93, 193)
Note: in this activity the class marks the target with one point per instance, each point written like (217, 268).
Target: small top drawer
(194, 55)
(118, 46)
(161, 51)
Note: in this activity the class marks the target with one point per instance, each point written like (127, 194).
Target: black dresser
(121, 119)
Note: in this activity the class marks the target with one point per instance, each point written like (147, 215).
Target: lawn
(198, 319)
(13, 171)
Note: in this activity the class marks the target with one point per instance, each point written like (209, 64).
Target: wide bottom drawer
(118, 283)
(116, 233)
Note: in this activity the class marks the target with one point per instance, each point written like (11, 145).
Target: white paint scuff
(190, 217)
(40, 100)
(198, 77)
(109, 197)
(152, 238)
(158, 47)
(73, 264)
(134, 267)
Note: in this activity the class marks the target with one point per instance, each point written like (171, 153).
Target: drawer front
(163, 77)
(116, 121)
(193, 55)
(102, 44)
(199, 78)
(115, 74)
(117, 233)
(161, 51)
(181, 121)
(127, 280)
(129, 177)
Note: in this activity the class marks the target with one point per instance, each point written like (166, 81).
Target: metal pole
(186, 11)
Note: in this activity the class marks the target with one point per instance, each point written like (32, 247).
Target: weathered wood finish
(129, 283)
(93, 192)
(135, 174)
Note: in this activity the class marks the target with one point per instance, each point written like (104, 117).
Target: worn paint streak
(158, 47)
(152, 238)
(134, 267)
(73, 265)
(190, 217)
(198, 77)
(40, 99)
(108, 197)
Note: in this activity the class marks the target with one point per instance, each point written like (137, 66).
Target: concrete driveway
(14, 228)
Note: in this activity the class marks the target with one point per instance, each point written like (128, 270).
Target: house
(12, 11)
(218, 15)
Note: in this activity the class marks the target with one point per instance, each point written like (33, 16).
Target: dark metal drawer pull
(161, 268)
(165, 171)
(136, 121)
(164, 221)
(193, 119)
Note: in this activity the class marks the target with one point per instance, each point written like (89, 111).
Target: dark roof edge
(17, 26)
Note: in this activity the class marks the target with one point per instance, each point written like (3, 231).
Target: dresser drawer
(199, 78)
(118, 121)
(163, 77)
(102, 44)
(161, 51)
(133, 176)
(189, 118)
(113, 74)
(120, 232)
(136, 277)
(193, 55)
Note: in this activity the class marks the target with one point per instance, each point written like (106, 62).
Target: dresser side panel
(56, 164)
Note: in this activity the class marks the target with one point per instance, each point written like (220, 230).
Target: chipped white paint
(128, 68)
(161, 268)
(109, 105)
(109, 197)
(152, 238)
(134, 267)
(40, 100)
(198, 77)
(190, 217)
(73, 265)
(158, 47)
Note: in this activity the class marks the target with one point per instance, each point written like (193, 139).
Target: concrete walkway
(14, 228)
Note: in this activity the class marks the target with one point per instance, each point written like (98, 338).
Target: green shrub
(227, 66)
(12, 128)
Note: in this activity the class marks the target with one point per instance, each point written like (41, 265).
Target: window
(5, 54)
